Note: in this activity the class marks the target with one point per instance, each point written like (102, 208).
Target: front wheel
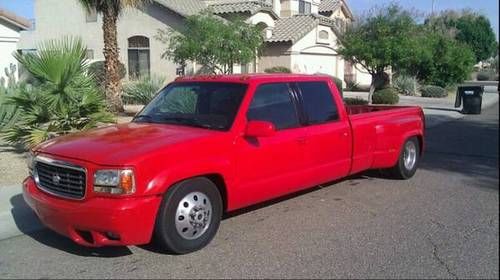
(408, 160)
(189, 216)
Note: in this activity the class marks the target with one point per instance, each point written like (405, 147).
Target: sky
(488, 8)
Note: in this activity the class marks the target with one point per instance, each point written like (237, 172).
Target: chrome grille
(60, 179)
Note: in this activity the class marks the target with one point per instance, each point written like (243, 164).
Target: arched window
(138, 57)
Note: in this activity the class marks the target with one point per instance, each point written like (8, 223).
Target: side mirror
(260, 129)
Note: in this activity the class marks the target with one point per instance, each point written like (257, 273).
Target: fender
(162, 181)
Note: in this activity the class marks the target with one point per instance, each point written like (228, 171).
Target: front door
(271, 166)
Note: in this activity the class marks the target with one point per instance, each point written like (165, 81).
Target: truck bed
(379, 132)
(363, 109)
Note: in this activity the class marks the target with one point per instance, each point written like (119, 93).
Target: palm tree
(110, 11)
(66, 100)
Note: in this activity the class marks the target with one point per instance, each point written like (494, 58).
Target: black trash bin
(471, 97)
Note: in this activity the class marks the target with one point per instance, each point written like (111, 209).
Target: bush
(434, 92)
(338, 82)
(143, 90)
(352, 86)
(66, 101)
(278, 69)
(386, 96)
(406, 85)
(8, 112)
(96, 69)
(355, 101)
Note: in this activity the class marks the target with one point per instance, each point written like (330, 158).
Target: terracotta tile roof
(14, 19)
(183, 7)
(251, 7)
(292, 29)
(329, 5)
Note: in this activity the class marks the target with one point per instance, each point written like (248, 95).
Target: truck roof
(247, 78)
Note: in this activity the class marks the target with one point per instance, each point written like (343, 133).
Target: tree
(469, 28)
(379, 40)
(66, 100)
(110, 11)
(215, 43)
(441, 60)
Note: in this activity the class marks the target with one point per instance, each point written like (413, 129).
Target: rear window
(318, 102)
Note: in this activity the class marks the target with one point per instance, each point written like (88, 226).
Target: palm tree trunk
(112, 85)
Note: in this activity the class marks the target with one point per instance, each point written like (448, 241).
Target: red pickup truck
(208, 145)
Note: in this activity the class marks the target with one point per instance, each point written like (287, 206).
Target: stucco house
(10, 27)
(299, 34)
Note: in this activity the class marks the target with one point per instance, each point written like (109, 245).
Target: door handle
(302, 140)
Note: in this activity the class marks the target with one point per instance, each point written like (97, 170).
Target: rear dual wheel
(408, 161)
(189, 216)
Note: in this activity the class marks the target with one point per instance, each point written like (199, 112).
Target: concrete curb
(16, 218)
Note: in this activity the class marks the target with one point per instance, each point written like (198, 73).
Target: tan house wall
(275, 55)
(132, 23)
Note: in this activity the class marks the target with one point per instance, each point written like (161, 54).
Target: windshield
(202, 104)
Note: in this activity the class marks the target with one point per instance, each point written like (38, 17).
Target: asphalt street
(443, 223)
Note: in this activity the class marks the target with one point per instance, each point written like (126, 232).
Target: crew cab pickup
(206, 145)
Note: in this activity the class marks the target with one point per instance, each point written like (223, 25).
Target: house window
(89, 54)
(91, 15)
(138, 57)
(304, 7)
(323, 35)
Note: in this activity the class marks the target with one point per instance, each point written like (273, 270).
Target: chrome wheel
(192, 217)
(410, 155)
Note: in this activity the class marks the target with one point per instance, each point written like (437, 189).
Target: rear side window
(318, 102)
(273, 103)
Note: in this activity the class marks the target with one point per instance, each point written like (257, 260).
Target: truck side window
(318, 102)
(273, 103)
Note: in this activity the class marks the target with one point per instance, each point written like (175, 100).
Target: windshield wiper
(147, 118)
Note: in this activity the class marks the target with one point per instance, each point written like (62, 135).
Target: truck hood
(121, 144)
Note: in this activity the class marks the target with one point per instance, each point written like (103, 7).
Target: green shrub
(8, 112)
(352, 86)
(338, 82)
(143, 90)
(96, 69)
(433, 91)
(278, 69)
(385, 96)
(355, 101)
(406, 85)
(66, 101)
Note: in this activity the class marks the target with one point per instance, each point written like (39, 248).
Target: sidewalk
(16, 218)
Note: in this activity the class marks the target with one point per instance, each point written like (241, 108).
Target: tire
(408, 160)
(189, 216)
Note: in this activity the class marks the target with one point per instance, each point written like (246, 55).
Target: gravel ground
(12, 165)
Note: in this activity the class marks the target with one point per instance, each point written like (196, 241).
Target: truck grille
(59, 179)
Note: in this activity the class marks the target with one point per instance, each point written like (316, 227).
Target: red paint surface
(253, 169)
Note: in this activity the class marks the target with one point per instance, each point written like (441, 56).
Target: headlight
(114, 181)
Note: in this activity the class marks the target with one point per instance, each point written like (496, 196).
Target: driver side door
(271, 166)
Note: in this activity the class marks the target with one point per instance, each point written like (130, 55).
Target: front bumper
(96, 221)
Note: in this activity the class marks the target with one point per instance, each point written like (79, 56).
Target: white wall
(9, 37)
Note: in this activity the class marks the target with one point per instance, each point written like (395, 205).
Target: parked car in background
(207, 145)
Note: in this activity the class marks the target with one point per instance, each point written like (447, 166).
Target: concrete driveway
(443, 223)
